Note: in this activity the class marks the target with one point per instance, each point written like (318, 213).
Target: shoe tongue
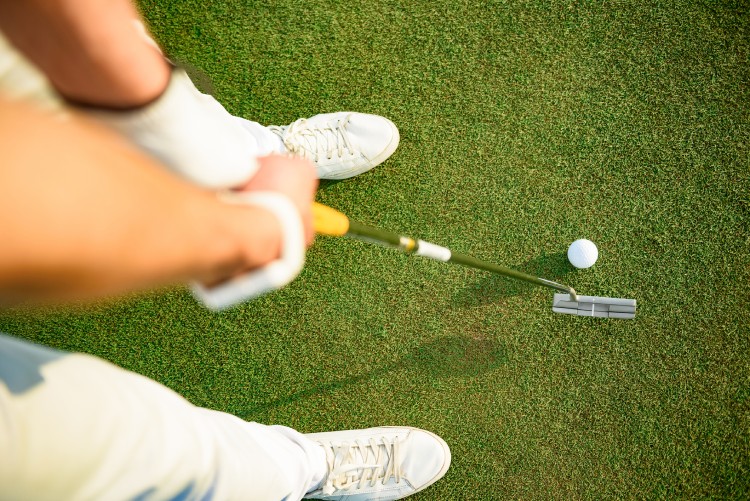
(359, 463)
(356, 455)
(369, 458)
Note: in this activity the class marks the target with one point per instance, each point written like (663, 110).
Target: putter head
(594, 306)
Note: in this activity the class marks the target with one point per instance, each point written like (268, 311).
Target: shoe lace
(355, 465)
(314, 142)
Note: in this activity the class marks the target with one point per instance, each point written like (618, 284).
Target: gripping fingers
(272, 276)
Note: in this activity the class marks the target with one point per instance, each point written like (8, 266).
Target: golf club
(330, 222)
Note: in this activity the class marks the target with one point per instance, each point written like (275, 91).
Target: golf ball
(583, 253)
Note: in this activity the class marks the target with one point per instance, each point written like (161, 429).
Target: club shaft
(473, 262)
(412, 246)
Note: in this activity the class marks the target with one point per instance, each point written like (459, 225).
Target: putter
(330, 222)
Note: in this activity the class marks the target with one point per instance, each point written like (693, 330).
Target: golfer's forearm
(89, 49)
(85, 213)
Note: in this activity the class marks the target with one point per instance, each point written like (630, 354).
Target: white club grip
(275, 274)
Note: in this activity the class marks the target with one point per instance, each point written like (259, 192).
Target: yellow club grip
(328, 221)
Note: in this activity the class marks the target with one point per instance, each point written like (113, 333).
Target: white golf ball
(583, 253)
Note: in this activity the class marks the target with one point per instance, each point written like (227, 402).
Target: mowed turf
(524, 126)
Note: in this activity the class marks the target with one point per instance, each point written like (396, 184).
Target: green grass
(525, 125)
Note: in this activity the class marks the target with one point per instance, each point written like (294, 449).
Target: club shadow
(448, 356)
(492, 287)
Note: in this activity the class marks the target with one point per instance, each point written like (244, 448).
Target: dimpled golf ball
(583, 253)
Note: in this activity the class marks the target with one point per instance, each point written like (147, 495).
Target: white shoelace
(355, 465)
(316, 142)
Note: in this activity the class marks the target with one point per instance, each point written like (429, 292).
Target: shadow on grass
(324, 184)
(493, 287)
(448, 356)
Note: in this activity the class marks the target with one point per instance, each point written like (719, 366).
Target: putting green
(524, 126)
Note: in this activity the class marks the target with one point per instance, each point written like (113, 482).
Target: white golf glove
(272, 276)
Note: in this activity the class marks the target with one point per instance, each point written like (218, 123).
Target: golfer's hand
(108, 219)
(290, 176)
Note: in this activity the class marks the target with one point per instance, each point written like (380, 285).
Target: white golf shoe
(380, 464)
(341, 145)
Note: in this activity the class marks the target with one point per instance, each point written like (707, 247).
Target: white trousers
(73, 426)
